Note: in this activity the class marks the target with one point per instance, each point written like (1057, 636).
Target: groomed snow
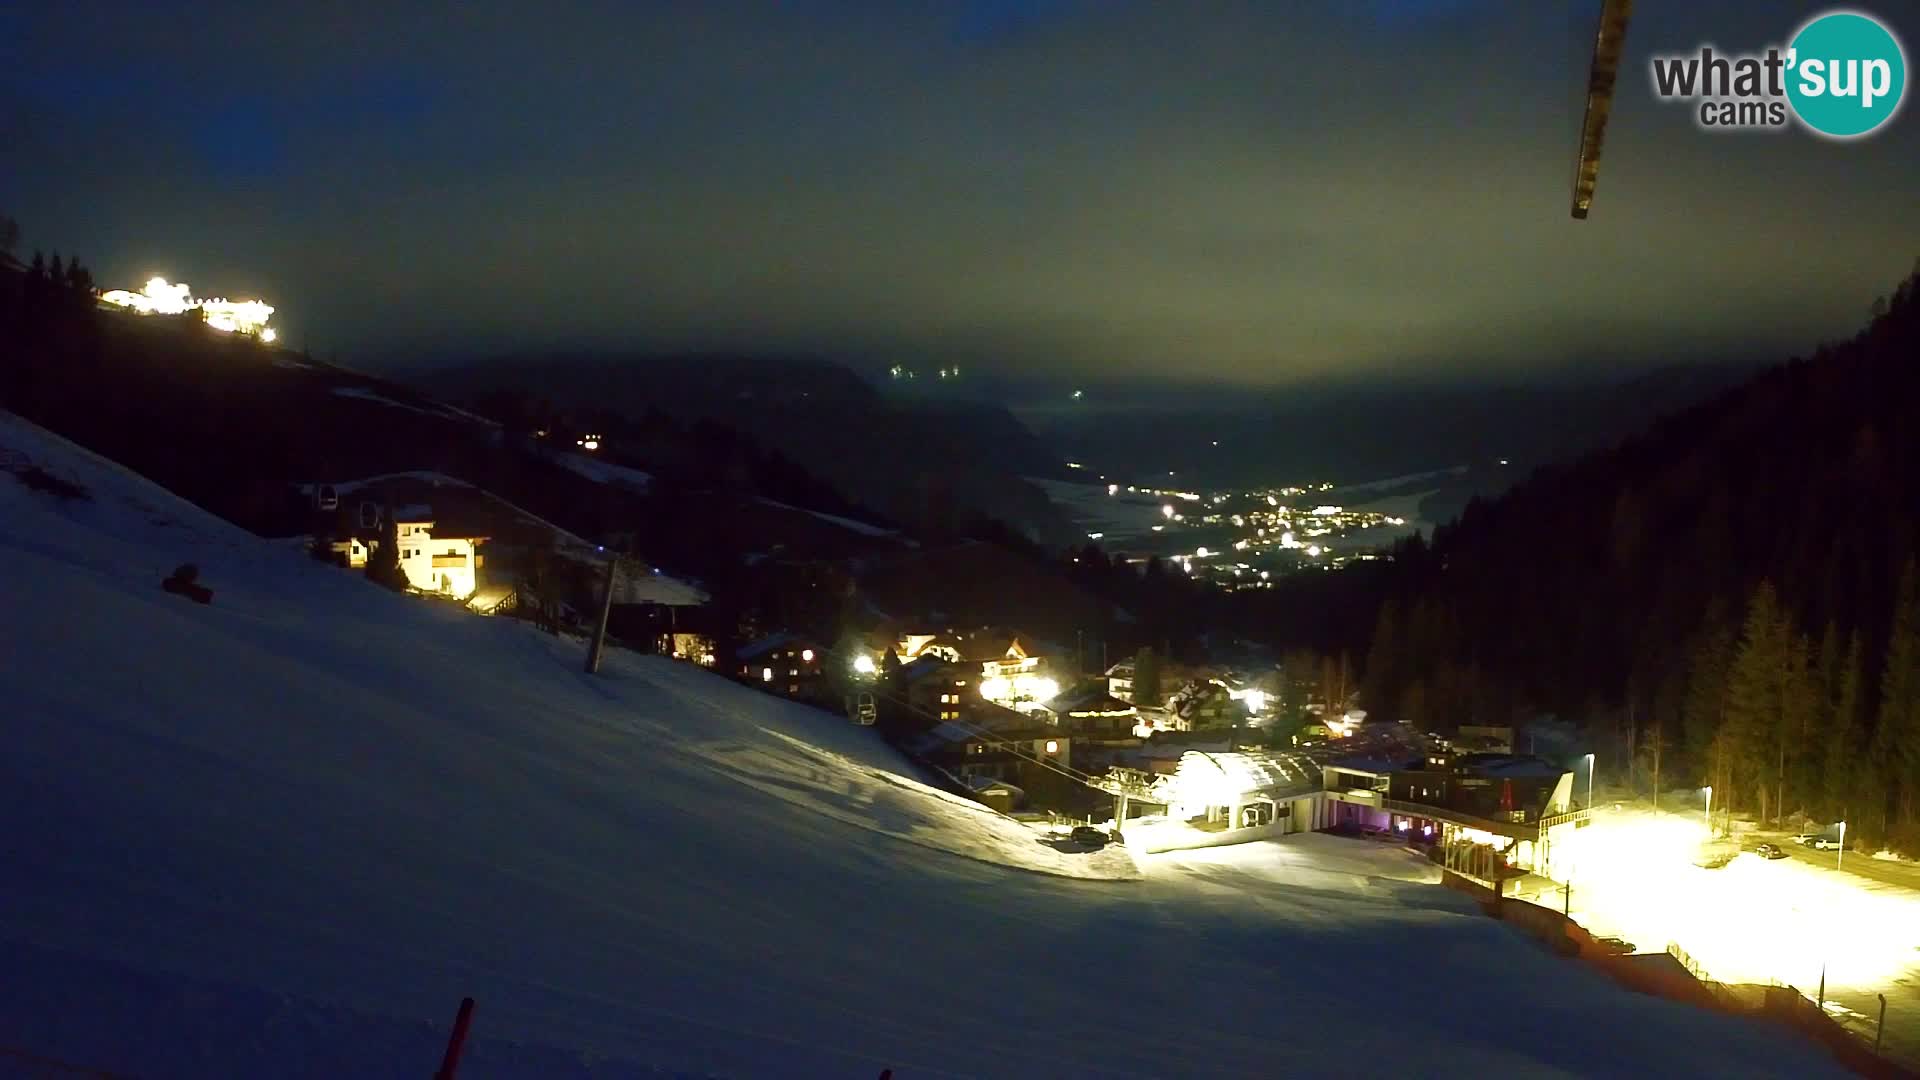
(846, 523)
(602, 472)
(283, 834)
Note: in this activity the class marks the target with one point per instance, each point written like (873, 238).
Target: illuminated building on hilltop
(160, 298)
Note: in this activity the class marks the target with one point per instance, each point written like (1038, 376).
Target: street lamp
(1709, 811)
(1840, 855)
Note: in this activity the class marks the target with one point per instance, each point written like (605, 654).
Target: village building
(1206, 703)
(785, 664)
(1013, 670)
(938, 690)
(1514, 808)
(445, 560)
(1242, 791)
(1091, 712)
(1018, 753)
(1120, 681)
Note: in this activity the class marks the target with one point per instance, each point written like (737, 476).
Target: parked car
(1088, 835)
(1614, 946)
(1770, 851)
(1825, 843)
(1805, 838)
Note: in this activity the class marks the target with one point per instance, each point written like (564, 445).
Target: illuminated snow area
(283, 834)
(1753, 920)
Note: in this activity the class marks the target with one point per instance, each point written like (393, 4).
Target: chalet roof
(1193, 695)
(950, 736)
(984, 784)
(1377, 766)
(768, 644)
(1513, 766)
(924, 666)
(1220, 777)
(1090, 699)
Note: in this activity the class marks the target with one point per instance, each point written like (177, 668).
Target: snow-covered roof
(987, 783)
(1377, 766)
(1219, 777)
(1091, 699)
(768, 644)
(1509, 765)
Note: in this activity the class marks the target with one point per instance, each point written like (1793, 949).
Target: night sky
(1250, 192)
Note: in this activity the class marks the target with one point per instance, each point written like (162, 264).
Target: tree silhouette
(1896, 741)
(383, 563)
(1146, 678)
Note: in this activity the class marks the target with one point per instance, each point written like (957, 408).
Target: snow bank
(285, 833)
(602, 472)
(846, 523)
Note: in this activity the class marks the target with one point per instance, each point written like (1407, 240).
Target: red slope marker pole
(457, 1041)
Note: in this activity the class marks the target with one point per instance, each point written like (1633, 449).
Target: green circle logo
(1846, 75)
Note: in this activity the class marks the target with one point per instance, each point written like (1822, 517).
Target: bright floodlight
(863, 664)
(158, 297)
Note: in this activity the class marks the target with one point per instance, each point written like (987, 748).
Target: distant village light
(863, 664)
(766, 674)
(1166, 512)
(806, 656)
(1113, 489)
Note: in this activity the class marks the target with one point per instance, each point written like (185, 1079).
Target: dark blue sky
(1249, 192)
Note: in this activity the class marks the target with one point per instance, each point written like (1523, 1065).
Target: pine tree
(1762, 693)
(34, 288)
(1846, 773)
(1821, 721)
(1897, 733)
(1386, 667)
(1146, 678)
(383, 563)
(1703, 711)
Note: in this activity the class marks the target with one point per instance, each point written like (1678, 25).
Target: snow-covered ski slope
(284, 834)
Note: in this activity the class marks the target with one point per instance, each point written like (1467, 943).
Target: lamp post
(1709, 811)
(1592, 763)
(1840, 853)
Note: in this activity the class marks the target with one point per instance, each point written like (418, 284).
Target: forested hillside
(1735, 590)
